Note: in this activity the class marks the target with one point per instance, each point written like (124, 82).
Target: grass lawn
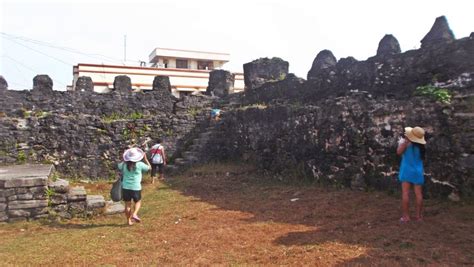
(228, 214)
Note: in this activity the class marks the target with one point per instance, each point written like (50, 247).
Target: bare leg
(153, 179)
(128, 212)
(138, 204)
(419, 202)
(406, 200)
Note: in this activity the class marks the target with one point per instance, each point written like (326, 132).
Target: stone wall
(341, 126)
(83, 133)
(351, 141)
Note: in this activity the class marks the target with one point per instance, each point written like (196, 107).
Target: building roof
(187, 54)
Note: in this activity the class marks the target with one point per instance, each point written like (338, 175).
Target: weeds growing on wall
(119, 116)
(21, 158)
(436, 93)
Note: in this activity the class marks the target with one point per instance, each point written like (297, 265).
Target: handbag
(116, 191)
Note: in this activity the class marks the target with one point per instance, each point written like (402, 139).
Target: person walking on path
(411, 148)
(158, 160)
(132, 168)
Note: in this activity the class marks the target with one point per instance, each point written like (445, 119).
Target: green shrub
(21, 158)
(436, 93)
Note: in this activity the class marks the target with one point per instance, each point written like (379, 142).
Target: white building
(187, 70)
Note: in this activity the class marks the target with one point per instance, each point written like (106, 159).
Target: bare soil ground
(229, 215)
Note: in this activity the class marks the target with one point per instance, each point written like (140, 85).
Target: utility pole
(125, 48)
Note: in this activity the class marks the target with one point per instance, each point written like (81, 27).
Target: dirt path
(223, 214)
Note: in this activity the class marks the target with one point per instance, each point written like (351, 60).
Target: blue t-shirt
(411, 166)
(132, 179)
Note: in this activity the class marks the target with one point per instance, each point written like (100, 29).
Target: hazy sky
(294, 30)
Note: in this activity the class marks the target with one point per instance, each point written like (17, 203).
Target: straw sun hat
(416, 135)
(133, 154)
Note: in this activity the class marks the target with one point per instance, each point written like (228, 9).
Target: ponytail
(130, 165)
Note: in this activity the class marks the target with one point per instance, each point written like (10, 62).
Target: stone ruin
(31, 192)
(338, 127)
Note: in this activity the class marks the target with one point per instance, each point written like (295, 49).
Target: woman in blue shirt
(412, 150)
(132, 168)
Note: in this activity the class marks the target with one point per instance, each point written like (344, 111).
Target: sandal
(404, 219)
(135, 218)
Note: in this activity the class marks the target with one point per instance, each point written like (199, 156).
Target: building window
(205, 65)
(181, 63)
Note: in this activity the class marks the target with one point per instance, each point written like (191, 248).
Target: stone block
(7, 192)
(95, 202)
(26, 182)
(38, 190)
(18, 219)
(3, 207)
(21, 190)
(77, 209)
(18, 213)
(3, 200)
(58, 199)
(60, 186)
(27, 204)
(3, 216)
(11, 198)
(26, 196)
(114, 208)
(60, 208)
(77, 193)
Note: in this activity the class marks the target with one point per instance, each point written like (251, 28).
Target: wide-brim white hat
(133, 154)
(416, 135)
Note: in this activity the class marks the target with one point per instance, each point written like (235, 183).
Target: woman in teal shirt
(412, 150)
(132, 168)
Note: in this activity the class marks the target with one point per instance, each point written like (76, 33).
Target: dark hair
(130, 165)
(422, 150)
(158, 140)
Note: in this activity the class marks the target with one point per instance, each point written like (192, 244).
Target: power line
(55, 58)
(31, 69)
(67, 49)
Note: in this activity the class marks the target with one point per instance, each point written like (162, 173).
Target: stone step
(60, 186)
(114, 207)
(77, 193)
(95, 202)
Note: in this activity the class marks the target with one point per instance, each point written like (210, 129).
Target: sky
(50, 37)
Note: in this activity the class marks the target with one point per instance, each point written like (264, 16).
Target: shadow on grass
(357, 219)
(80, 225)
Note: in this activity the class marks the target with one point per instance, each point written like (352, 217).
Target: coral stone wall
(84, 133)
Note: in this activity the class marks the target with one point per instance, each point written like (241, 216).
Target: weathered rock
(84, 83)
(58, 199)
(388, 46)
(18, 213)
(24, 175)
(221, 82)
(3, 216)
(77, 193)
(95, 202)
(440, 32)
(43, 83)
(264, 70)
(114, 208)
(122, 83)
(26, 204)
(323, 62)
(162, 83)
(3, 84)
(60, 186)
(77, 209)
(3, 207)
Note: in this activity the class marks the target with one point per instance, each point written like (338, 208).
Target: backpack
(157, 154)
